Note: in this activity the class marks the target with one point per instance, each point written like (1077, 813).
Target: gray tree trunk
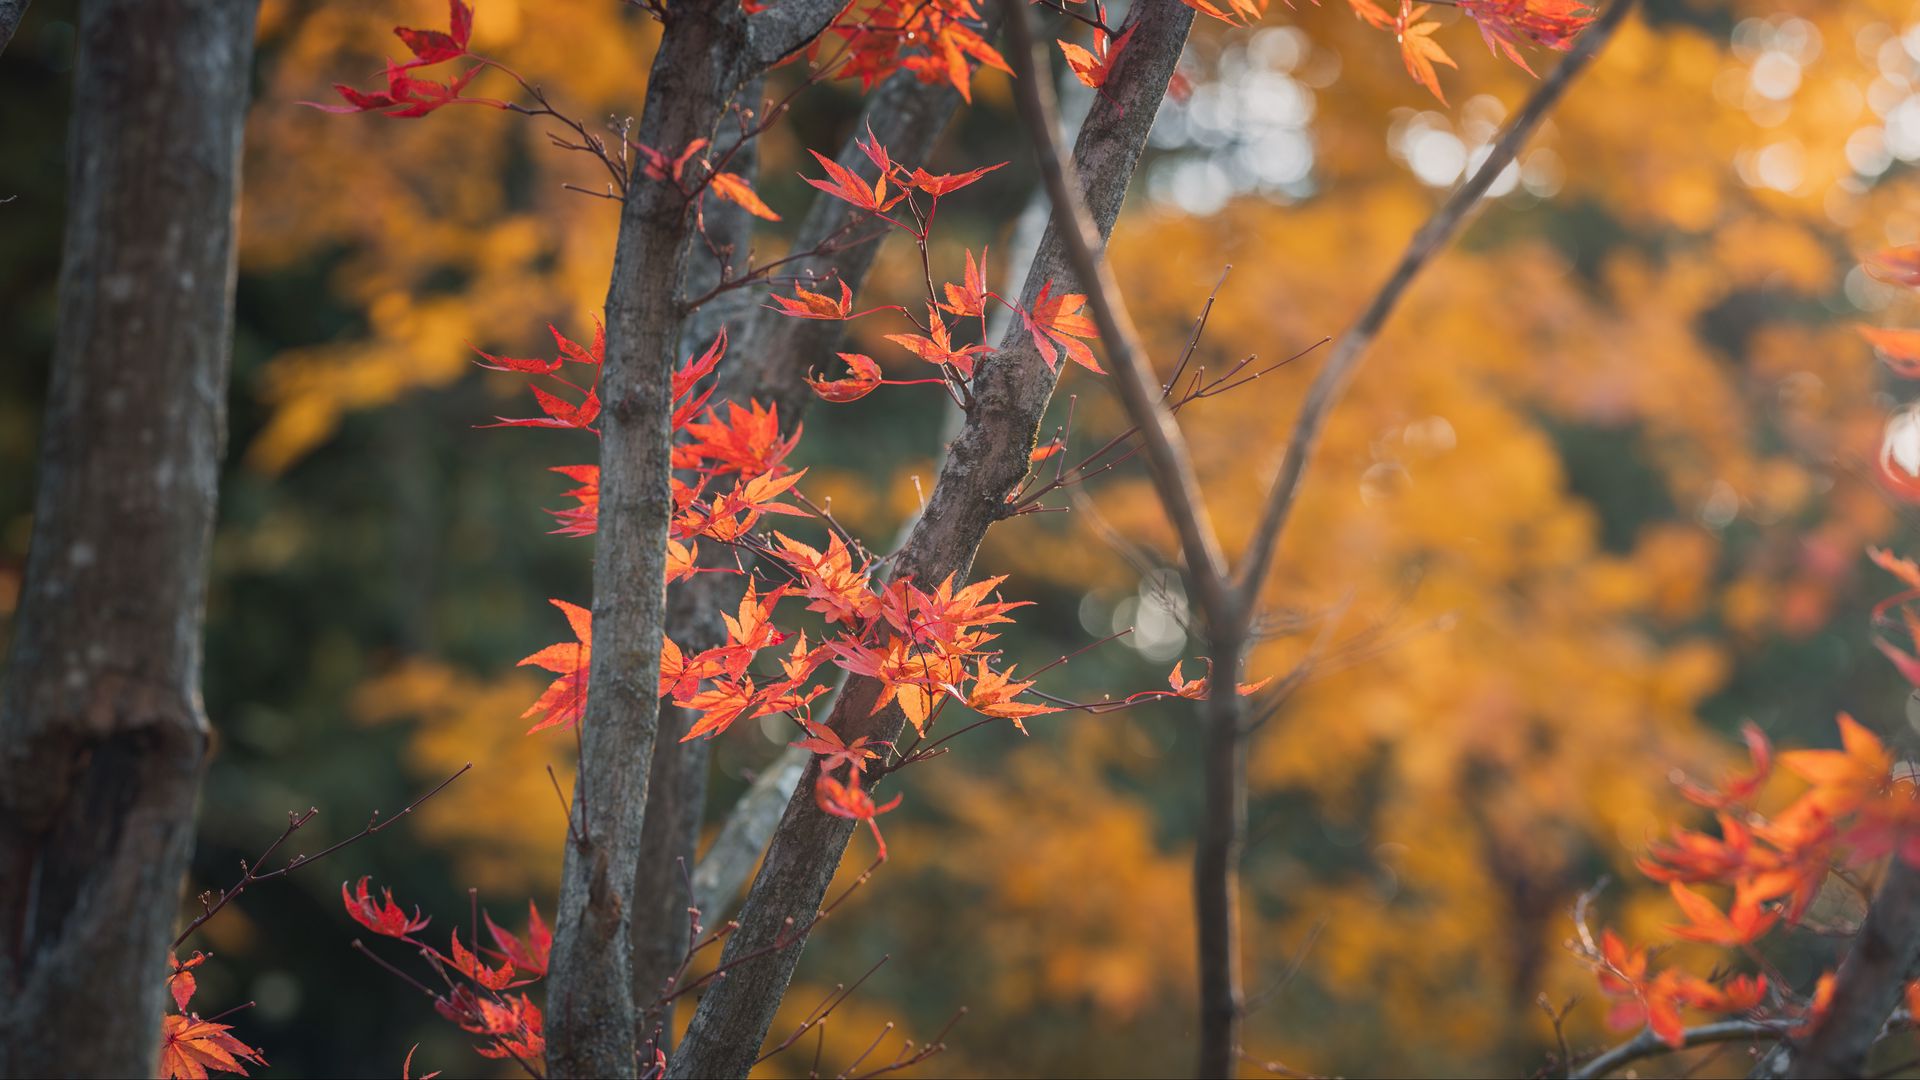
(983, 465)
(102, 734)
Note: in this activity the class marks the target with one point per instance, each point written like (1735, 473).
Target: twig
(250, 871)
(1331, 383)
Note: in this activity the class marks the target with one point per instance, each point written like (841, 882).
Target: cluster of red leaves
(937, 40)
(926, 645)
(730, 472)
(192, 1048)
(1506, 25)
(476, 979)
(408, 95)
(1852, 812)
(909, 199)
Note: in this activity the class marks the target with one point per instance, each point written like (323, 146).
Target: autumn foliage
(1495, 673)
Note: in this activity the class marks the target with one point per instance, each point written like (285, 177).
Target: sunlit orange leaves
(565, 699)
(1418, 51)
(191, 1048)
(1093, 67)
(1745, 922)
(734, 188)
(1656, 1001)
(1842, 779)
(1057, 325)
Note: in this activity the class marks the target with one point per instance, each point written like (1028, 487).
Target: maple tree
(729, 519)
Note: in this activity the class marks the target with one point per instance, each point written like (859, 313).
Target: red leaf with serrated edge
(190, 1048)
(565, 699)
(1057, 325)
(948, 183)
(386, 918)
(1093, 67)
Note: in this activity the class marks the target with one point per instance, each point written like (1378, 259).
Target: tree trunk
(768, 359)
(984, 464)
(103, 731)
(1216, 867)
(11, 12)
(709, 50)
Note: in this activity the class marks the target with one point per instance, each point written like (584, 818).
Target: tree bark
(11, 12)
(768, 358)
(708, 51)
(1866, 989)
(103, 737)
(982, 467)
(1216, 869)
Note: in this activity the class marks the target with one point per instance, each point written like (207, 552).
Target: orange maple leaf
(1057, 321)
(190, 1048)
(1419, 52)
(812, 305)
(734, 188)
(565, 699)
(1895, 266)
(994, 692)
(845, 185)
(1093, 67)
(938, 348)
(1843, 779)
(835, 752)
(1746, 922)
(1738, 787)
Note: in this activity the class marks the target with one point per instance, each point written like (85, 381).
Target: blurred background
(1601, 493)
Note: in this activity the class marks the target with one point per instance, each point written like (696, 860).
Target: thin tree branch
(1172, 468)
(1348, 352)
(1647, 1044)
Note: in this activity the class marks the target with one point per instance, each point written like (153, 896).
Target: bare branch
(1172, 468)
(1647, 1044)
(1332, 381)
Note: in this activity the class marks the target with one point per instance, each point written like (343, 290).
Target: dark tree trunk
(101, 725)
(1216, 868)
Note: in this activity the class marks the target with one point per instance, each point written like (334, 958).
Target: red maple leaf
(386, 918)
(1093, 67)
(1057, 321)
(849, 800)
(864, 380)
(565, 699)
(530, 955)
(190, 1048)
